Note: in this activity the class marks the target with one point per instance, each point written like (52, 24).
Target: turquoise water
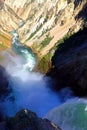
(71, 115)
(28, 58)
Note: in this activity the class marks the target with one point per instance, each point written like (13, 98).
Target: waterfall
(30, 89)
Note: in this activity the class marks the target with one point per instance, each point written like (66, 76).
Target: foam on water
(26, 54)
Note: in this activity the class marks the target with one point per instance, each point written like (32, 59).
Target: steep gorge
(41, 26)
(37, 21)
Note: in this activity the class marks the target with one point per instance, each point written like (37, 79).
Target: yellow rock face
(5, 40)
(20, 7)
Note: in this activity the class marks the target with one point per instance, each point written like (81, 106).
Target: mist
(30, 90)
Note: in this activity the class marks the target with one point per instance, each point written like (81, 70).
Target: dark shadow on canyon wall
(5, 89)
(83, 13)
(70, 64)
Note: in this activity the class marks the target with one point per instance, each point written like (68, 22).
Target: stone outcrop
(70, 64)
(27, 120)
(21, 7)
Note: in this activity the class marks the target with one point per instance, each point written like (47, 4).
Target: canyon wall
(42, 23)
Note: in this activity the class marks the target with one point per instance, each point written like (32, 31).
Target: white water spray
(30, 90)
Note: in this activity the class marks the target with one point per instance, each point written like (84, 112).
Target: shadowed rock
(4, 83)
(70, 64)
(27, 120)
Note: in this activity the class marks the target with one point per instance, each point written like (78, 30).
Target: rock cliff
(5, 40)
(27, 120)
(41, 23)
(51, 21)
(69, 64)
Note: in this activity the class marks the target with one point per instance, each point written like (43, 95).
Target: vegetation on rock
(45, 42)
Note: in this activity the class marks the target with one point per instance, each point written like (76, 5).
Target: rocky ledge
(70, 64)
(27, 120)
